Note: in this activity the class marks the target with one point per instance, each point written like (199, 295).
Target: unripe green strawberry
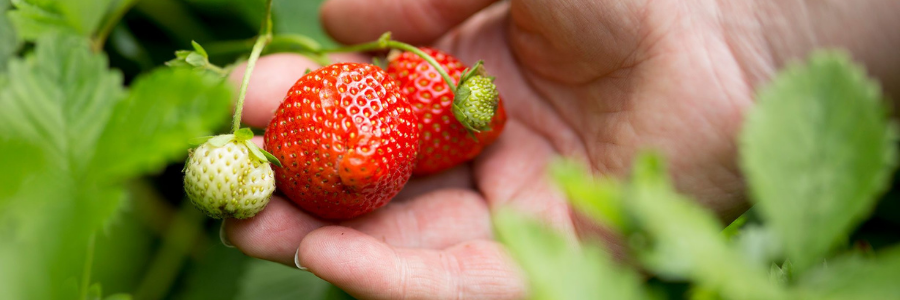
(476, 102)
(444, 140)
(229, 177)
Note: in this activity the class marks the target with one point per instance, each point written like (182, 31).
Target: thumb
(412, 21)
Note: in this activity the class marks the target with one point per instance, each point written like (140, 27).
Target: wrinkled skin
(594, 80)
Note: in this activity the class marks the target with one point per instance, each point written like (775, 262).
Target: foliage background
(150, 243)
(59, 212)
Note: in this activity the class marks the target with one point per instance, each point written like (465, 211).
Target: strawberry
(347, 140)
(228, 176)
(445, 142)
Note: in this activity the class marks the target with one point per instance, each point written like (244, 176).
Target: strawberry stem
(385, 42)
(265, 35)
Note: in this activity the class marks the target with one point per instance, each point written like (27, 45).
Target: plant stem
(110, 23)
(293, 43)
(265, 35)
(184, 232)
(88, 264)
(217, 69)
(384, 43)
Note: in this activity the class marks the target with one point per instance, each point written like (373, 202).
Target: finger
(412, 21)
(365, 266)
(272, 77)
(434, 221)
(274, 233)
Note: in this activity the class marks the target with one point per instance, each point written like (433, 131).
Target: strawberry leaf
(55, 103)
(82, 136)
(599, 199)
(59, 98)
(165, 109)
(817, 151)
(854, 276)
(9, 41)
(35, 18)
(556, 269)
(685, 240)
(199, 49)
(195, 59)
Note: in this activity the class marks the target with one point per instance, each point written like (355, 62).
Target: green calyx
(476, 99)
(242, 136)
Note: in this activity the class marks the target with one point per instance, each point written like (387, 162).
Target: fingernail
(297, 260)
(223, 237)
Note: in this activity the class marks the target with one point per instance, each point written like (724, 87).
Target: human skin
(596, 81)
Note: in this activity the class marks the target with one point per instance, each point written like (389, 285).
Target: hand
(593, 80)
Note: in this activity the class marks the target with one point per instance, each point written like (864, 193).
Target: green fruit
(226, 178)
(476, 100)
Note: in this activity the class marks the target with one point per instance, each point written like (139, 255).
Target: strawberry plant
(112, 135)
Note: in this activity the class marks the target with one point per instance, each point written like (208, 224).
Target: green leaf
(59, 98)
(599, 199)
(9, 40)
(269, 280)
(758, 244)
(684, 240)
(557, 269)
(195, 59)
(32, 21)
(854, 277)
(165, 110)
(25, 159)
(199, 49)
(734, 228)
(817, 150)
(55, 103)
(35, 18)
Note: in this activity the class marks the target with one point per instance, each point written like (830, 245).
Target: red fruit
(444, 142)
(347, 140)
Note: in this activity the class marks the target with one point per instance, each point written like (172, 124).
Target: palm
(434, 239)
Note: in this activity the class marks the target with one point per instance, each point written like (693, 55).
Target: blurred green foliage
(90, 205)
(817, 153)
(818, 150)
(93, 132)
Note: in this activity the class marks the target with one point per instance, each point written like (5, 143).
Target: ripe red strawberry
(444, 142)
(346, 138)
